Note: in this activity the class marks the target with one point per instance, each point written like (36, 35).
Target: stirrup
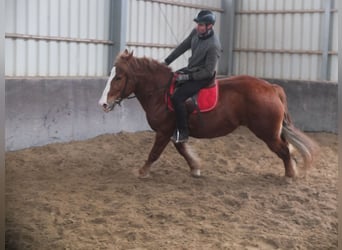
(179, 137)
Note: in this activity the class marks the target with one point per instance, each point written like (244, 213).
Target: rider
(205, 48)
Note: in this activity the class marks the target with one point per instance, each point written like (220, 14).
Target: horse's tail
(305, 145)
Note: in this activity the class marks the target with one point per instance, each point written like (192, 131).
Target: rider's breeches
(186, 90)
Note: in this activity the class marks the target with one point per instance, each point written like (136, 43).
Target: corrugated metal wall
(57, 38)
(286, 39)
(158, 26)
(71, 37)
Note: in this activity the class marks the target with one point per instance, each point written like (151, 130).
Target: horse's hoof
(143, 174)
(288, 180)
(196, 173)
(290, 176)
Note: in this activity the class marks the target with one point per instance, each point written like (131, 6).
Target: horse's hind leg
(191, 159)
(281, 148)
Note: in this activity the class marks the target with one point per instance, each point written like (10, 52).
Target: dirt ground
(84, 195)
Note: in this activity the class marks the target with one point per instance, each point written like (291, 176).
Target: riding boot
(181, 133)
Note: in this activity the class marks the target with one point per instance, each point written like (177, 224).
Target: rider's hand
(182, 77)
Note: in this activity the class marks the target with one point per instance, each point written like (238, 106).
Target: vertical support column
(2, 125)
(339, 112)
(117, 29)
(227, 33)
(326, 40)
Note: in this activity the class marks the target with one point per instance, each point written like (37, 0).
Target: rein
(122, 94)
(166, 86)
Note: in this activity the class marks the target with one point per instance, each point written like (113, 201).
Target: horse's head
(118, 86)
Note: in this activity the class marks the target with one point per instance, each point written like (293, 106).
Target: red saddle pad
(206, 98)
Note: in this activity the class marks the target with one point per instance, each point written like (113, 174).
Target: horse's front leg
(190, 158)
(159, 145)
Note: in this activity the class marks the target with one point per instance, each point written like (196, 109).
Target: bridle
(122, 94)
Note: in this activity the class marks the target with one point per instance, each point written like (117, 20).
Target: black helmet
(206, 17)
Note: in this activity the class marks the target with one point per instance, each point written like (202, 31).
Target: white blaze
(103, 99)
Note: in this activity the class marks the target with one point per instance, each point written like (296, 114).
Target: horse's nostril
(104, 106)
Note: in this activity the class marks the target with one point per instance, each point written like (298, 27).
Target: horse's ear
(130, 55)
(127, 55)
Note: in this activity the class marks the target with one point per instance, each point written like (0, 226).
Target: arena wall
(49, 110)
(42, 111)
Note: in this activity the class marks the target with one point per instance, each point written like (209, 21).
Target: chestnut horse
(243, 101)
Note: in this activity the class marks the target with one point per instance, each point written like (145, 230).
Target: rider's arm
(180, 49)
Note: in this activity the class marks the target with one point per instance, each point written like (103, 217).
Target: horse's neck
(150, 90)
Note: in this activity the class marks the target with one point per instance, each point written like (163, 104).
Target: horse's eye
(117, 78)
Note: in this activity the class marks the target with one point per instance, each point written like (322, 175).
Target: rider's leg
(186, 90)
(181, 133)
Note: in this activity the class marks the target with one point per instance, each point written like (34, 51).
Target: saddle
(203, 101)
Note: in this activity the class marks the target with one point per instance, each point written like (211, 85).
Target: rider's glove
(182, 77)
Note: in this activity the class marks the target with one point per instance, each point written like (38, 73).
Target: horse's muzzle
(108, 107)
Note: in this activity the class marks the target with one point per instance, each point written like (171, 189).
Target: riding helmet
(206, 17)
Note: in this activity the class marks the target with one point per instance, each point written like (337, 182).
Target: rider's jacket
(205, 51)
